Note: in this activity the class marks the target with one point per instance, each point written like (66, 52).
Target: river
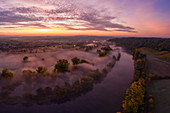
(106, 97)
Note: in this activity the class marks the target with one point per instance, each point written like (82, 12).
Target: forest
(161, 44)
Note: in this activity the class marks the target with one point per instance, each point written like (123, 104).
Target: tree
(84, 61)
(25, 58)
(108, 48)
(134, 99)
(28, 95)
(86, 82)
(6, 73)
(96, 74)
(41, 70)
(102, 54)
(40, 92)
(28, 74)
(75, 60)
(48, 91)
(61, 66)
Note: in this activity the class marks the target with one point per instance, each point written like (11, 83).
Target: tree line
(161, 44)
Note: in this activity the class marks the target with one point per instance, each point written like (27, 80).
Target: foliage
(132, 42)
(27, 72)
(84, 61)
(6, 73)
(61, 66)
(86, 82)
(48, 91)
(28, 95)
(134, 99)
(75, 60)
(25, 58)
(40, 92)
(102, 54)
(96, 74)
(108, 48)
(41, 70)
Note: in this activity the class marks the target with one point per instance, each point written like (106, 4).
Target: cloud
(127, 31)
(72, 16)
(9, 16)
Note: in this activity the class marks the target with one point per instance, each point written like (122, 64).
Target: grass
(160, 89)
(148, 51)
(161, 53)
(166, 56)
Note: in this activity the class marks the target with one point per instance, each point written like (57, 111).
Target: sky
(85, 17)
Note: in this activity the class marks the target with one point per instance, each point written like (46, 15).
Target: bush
(151, 100)
(76, 87)
(151, 106)
(61, 66)
(84, 61)
(86, 82)
(40, 92)
(96, 74)
(108, 48)
(75, 60)
(41, 70)
(28, 95)
(6, 73)
(102, 54)
(48, 91)
(27, 72)
(25, 58)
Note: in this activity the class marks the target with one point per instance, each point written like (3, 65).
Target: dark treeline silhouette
(161, 44)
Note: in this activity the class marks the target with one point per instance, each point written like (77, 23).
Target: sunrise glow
(75, 17)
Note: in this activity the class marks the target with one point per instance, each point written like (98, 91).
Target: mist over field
(79, 56)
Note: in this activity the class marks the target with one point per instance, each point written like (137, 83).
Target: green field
(148, 51)
(166, 56)
(159, 54)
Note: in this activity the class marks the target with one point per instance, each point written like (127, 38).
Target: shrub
(41, 70)
(25, 58)
(108, 48)
(40, 92)
(86, 82)
(48, 91)
(27, 72)
(151, 100)
(75, 60)
(28, 95)
(96, 74)
(61, 66)
(102, 54)
(84, 61)
(6, 73)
